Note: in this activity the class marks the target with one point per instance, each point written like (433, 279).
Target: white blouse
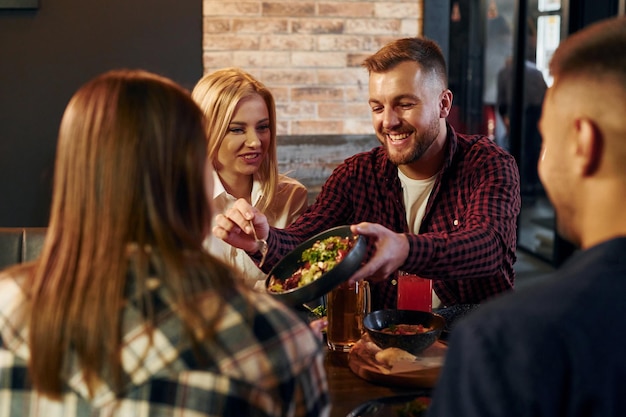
(289, 203)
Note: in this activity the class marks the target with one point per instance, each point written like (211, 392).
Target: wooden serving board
(422, 373)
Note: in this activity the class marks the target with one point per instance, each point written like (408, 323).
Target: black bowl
(393, 405)
(452, 314)
(314, 290)
(416, 343)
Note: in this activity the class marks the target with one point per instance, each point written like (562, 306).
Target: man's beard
(421, 144)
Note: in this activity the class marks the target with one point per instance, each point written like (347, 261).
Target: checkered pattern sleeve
(467, 239)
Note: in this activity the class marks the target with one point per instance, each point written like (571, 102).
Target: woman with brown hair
(124, 313)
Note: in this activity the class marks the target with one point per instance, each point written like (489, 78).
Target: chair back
(20, 244)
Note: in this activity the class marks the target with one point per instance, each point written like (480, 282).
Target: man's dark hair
(597, 51)
(420, 50)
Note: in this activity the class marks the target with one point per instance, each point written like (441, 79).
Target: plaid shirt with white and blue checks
(264, 361)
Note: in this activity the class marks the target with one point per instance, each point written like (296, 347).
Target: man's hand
(235, 226)
(392, 250)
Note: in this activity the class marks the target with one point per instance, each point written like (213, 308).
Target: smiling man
(432, 202)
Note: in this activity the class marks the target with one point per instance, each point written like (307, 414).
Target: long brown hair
(218, 94)
(129, 173)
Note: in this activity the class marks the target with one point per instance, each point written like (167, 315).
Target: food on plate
(388, 357)
(406, 329)
(414, 408)
(320, 258)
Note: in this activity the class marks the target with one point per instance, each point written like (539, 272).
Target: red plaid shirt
(467, 238)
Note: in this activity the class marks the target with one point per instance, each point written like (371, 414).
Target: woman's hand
(235, 226)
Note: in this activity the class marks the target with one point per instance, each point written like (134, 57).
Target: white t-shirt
(416, 194)
(289, 203)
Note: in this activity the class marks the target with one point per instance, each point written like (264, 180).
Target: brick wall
(311, 158)
(308, 53)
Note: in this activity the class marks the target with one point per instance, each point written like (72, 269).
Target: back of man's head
(584, 134)
(596, 51)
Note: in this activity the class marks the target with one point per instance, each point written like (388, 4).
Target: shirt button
(455, 222)
(394, 282)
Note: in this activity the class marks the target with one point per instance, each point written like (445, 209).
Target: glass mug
(346, 305)
(414, 293)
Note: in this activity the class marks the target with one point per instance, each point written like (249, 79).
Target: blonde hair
(130, 163)
(218, 94)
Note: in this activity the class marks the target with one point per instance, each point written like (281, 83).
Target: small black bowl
(316, 289)
(416, 343)
(452, 314)
(396, 405)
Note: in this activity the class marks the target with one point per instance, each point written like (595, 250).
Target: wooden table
(347, 390)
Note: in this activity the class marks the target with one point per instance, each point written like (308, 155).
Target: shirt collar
(218, 188)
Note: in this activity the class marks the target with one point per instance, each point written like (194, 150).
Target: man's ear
(589, 146)
(445, 103)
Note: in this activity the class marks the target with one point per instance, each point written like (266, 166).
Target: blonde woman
(242, 148)
(124, 313)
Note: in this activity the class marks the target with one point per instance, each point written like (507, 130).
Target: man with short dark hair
(557, 348)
